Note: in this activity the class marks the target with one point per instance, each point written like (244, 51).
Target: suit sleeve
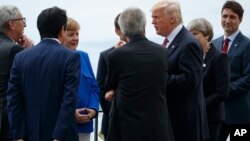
(16, 107)
(190, 69)
(222, 80)
(101, 74)
(113, 72)
(66, 116)
(242, 85)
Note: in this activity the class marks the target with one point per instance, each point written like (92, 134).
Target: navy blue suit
(42, 93)
(237, 105)
(184, 88)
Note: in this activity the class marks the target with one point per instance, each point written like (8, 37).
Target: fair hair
(203, 26)
(171, 8)
(132, 22)
(72, 25)
(7, 13)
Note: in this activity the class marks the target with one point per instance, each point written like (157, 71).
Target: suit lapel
(172, 47)
(174, 44)
(207, 60)
(235, 45)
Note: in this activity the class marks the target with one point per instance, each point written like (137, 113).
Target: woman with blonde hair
(88, 92)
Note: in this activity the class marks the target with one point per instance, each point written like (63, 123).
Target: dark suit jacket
(101, 76)
(136, 72)
(42, 93)
(8, 49)
(184, 91)
(237, 105)
(215, 83)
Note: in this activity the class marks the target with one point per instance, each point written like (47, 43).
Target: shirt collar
(174, 33)
(53, 39)
(232, 37)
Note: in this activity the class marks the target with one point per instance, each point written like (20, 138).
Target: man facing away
(184, 82)
(136, 72)
(237, 105)
(43, 83)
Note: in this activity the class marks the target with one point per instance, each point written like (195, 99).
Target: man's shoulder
(10, 46)
(107, 50)
(244, 38)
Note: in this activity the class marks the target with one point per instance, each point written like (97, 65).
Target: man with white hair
(184, 82)
(137, 74)
(12, 41)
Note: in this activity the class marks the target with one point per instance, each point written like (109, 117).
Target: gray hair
(132, 21)
(7, 13)
(203, 26)
(171, 8)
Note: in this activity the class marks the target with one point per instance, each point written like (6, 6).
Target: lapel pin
(204, 65)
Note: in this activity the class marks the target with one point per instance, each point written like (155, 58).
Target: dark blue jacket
(42, 93)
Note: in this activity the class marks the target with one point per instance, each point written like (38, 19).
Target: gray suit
(8, 49)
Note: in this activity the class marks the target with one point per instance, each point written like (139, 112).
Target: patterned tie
(165, 42)
(225, 45)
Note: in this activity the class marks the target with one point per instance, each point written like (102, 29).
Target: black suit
(102, 71)
(139, 112)
(184, 89)
(237, 107)
(8, 49)
(216, 88)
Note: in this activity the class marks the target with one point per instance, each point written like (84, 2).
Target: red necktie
(165, 42)
(225, 45)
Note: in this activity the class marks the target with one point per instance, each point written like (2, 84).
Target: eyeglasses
(18, 19)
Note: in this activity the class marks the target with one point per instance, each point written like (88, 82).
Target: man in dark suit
(184, 83)
(237, 107)
(43, 84)
(136, 72)
(102, 75)
(12, 41)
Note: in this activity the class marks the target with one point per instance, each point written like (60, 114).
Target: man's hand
(120, 43)
(25, 42)
(110, 95)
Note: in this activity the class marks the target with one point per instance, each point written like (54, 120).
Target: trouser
(214, 130)
(84, 136)
(4, 123)
(106, 105)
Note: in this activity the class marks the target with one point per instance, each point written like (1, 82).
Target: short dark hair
(116, 21)
(234, 6)
(50, 22)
